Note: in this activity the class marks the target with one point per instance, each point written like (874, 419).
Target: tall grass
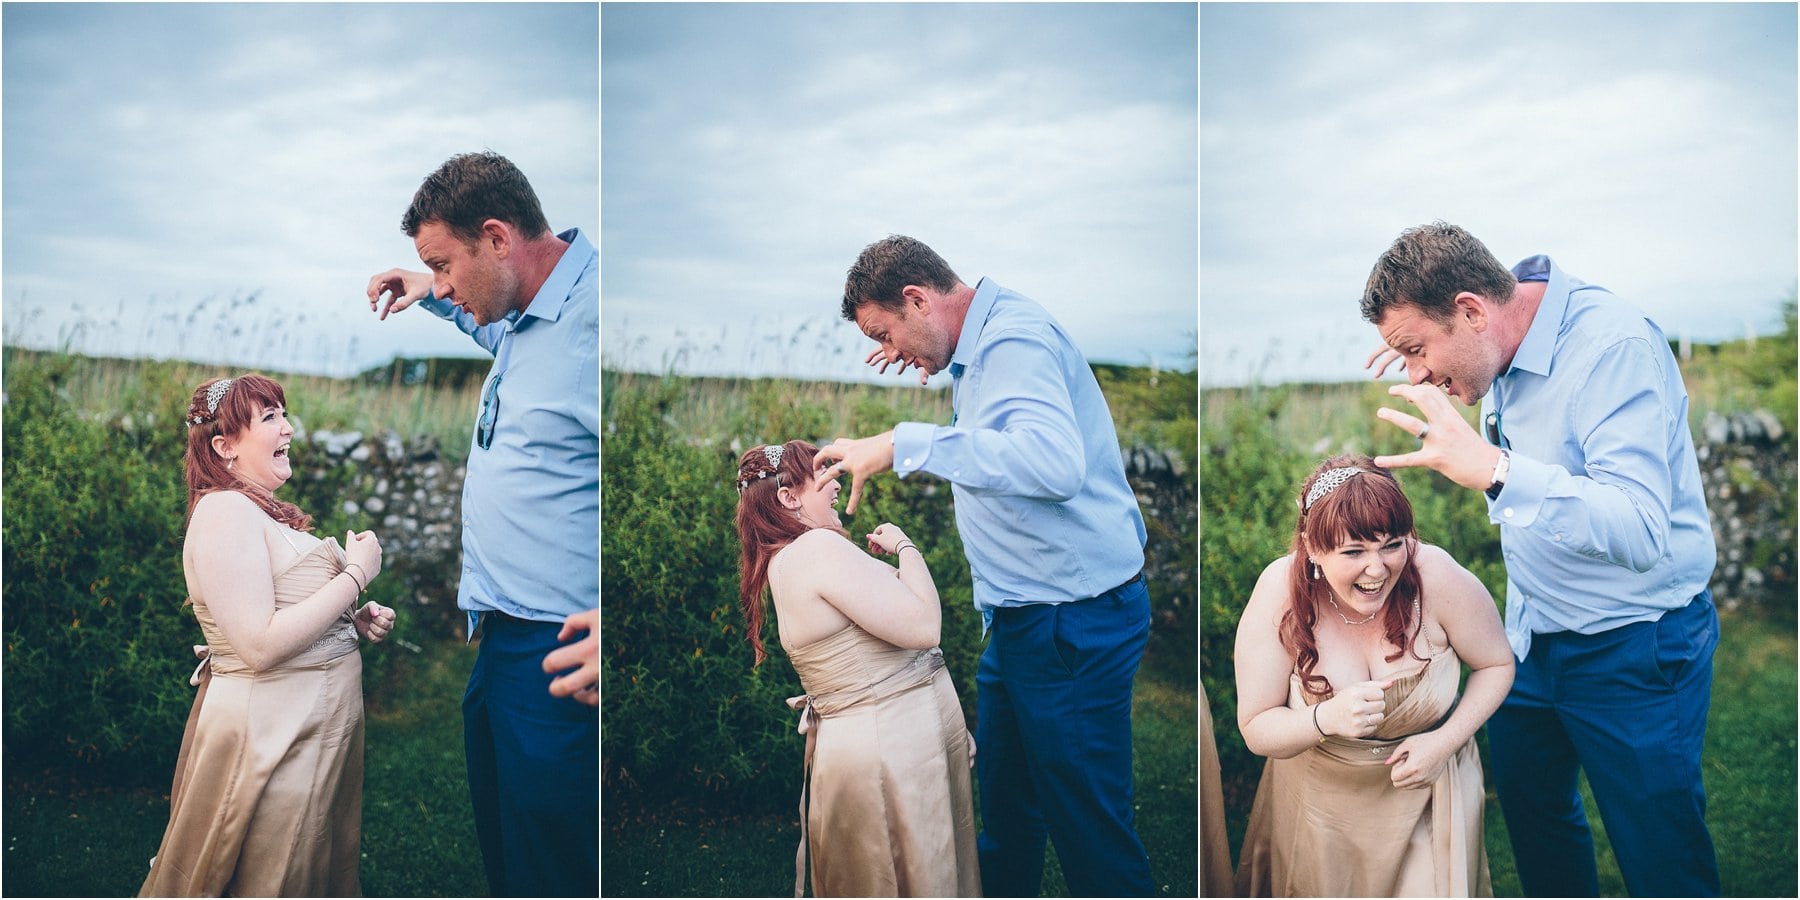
(136, 390)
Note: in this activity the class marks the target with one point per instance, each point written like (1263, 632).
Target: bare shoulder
(1269, 599)
(1446, 579)
(817, 550)
(226, 509)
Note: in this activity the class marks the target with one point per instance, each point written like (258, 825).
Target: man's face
(470, 275)
(909, 335)
(1455, 357)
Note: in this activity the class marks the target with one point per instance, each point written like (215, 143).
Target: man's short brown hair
(471, 188)
(887, 266)
(1427, 266)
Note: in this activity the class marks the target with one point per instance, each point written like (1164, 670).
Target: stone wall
(1747, 468)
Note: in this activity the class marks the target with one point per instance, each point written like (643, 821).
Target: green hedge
(97, 638)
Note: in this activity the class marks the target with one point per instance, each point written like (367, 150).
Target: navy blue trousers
(1053, 742)
(534, 767)
(1628, 706)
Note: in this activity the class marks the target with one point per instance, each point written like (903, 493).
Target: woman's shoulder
(1270, 596)
(1445, 578)
(227, 510)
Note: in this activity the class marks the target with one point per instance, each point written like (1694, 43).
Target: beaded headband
(772, 453)
(213, 395)
(1328, 482)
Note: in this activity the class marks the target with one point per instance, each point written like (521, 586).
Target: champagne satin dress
(1330, 823)
(887, 808)
(267, 797)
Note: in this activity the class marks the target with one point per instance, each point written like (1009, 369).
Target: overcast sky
(1646, 148)
(750, 151)
(164, 162)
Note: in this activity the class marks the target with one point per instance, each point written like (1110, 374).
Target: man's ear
(497, 235)
(1471, 308)
(916, 298)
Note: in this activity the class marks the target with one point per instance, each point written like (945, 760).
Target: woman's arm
(234, 577)
(899, 606)
(1464, 609)
(1269, 727)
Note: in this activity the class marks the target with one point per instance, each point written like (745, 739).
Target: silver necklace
(1340, 612)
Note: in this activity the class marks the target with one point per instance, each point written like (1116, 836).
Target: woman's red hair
(765, 526)
(1367, 506)
(206, 471)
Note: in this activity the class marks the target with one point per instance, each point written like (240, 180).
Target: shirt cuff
(443, 309)
(1521, 498)
(912, 446)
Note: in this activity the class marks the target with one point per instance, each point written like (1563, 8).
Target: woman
(267, 799)
(1347, 664)
(886, 808)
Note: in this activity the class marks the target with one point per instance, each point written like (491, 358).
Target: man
(1591, 475)
(530, 507)
(1055, 545)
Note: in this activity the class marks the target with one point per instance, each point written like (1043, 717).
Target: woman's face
(818, 501)
(261, 450)
(1363, 572)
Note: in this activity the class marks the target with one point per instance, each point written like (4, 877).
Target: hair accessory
(213, 395)
(1328, 482)
(772, 453)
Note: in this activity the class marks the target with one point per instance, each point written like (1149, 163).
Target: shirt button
(1557, 538)
(907, 461)
(1507, 512)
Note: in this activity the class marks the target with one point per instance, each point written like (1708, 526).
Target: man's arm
(1617, 507)
(1027, 443)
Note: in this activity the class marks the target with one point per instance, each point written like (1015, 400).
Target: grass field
(73, 840)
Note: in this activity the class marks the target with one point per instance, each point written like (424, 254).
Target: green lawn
(754, 857)
(75, 840)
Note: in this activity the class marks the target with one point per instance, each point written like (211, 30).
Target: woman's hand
(1356, 711)
(886, 539)
(374, 621)
(364, 552)
(1419, 760)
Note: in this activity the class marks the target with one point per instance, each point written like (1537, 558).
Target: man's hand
(1383, 357)
(404, 287)
(1447, 444)
(880, 359)
(583, 683)
(861, 458)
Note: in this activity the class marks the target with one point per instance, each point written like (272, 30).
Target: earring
(229, 462)
(1315, 571)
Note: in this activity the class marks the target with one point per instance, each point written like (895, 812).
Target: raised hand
(1447, 444)
(403, 288)
(886, 539)
(861, 458)
(364, 552)
(1383, 357)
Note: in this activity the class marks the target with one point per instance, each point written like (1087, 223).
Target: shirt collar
(979, 307)
(1539, 344)
(554, 294)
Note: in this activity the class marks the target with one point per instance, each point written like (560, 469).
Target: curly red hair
(765, 526)
(206, 471)
(1366, 506)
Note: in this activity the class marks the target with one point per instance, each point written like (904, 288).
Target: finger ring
(1424, 431)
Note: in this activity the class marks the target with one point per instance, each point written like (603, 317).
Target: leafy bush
(96, 634)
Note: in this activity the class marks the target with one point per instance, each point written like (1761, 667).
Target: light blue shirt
(531, 499)
(1603, 519)
(1045, 513)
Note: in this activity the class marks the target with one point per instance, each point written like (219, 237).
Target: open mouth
(1370, 588)
(281, 452)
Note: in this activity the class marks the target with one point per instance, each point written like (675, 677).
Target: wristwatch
(1501, 467)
